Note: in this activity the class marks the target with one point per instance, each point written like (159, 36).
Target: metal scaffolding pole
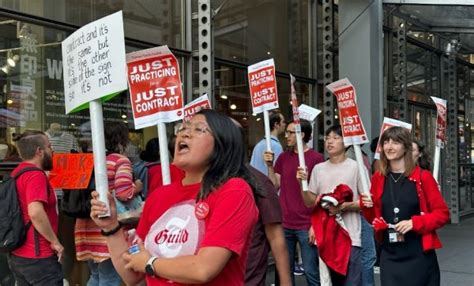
(328, 61)
(205, 51)
(452, 167)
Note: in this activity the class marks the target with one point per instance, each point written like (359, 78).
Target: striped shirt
(63, 142)
(90, 244)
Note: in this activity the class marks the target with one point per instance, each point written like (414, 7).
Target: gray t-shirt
(326, 176)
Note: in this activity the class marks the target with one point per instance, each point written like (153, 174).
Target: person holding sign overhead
(197, 230)
(296, 216)
(407, 209)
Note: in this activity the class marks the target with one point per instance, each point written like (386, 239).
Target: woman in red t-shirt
(197, 230)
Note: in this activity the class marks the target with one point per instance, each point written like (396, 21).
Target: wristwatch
(149, 269)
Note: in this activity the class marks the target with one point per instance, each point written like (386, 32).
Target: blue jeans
(103, 273)
(368, 254)
(309, 255)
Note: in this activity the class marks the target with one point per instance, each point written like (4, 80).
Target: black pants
(32, 271)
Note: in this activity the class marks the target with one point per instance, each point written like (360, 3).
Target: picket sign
(94, 71)
(352, 127)
(263, 92)
(156, 95)
(299, 140)
(440, 140)
(195, 106)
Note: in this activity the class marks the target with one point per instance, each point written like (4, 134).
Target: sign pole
(98, 148)
(436, 163)
(164, 158)
(362, 170)
(266, 120)
(299, 140)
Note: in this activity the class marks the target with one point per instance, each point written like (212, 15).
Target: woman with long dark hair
(197, 230)
(407, 210)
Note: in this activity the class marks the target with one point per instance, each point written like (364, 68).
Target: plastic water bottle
(132, 242)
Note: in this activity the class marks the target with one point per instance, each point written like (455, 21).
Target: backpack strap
(29, 224)
(24, 170)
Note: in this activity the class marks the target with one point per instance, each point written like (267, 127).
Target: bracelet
(112, 231)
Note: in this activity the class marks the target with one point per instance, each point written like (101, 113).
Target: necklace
(396, 180)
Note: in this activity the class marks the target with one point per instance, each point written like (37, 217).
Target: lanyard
(396, 210)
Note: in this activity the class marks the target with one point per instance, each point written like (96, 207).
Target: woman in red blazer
(406, 209)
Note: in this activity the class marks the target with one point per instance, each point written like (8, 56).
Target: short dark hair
(228, 157)
(335, 128)
(28, 142)
(116, 137)
(275, 117)
(307, 129)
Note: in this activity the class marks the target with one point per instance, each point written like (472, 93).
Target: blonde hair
(403, 136)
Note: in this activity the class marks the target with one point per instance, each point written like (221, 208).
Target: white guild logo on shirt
(176, 233)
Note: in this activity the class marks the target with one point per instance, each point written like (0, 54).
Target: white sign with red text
(155, 87)
(263, 87)
(440, 121)
(388, 123)
(353, 129)
(195, 106)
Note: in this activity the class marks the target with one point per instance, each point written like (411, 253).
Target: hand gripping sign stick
(352, 127)
(296, 122)
(98, 148)
(440, 133)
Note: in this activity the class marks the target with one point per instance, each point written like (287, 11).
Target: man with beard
(36, 262)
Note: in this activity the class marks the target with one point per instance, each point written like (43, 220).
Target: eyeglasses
(194, 129)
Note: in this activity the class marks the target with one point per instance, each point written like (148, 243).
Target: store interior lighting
(12, 59)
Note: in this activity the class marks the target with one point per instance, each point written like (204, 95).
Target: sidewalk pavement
(456, 258)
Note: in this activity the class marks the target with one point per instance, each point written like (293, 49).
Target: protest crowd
(201, 208)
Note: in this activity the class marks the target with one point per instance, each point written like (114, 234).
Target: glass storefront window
(251, 31)
(154, 21)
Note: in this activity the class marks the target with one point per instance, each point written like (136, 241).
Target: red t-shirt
(170, 227)
(155, 178)
(33, 186)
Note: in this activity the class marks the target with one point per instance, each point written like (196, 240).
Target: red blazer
(434, 211)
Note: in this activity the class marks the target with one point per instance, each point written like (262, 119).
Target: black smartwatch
(149, 269)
